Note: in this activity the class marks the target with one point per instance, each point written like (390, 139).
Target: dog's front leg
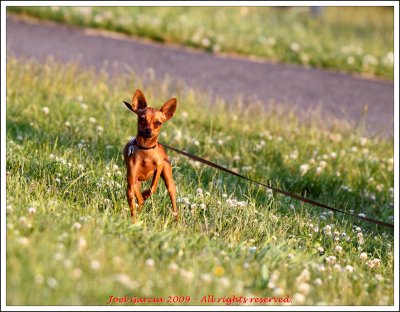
(138, 195)
(156, 177)
(130, 194)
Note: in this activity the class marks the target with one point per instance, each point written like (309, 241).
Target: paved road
(337, 95)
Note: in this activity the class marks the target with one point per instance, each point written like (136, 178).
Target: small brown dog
(144, 156)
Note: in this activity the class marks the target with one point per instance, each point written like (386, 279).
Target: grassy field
(69, 236)
(351, 39)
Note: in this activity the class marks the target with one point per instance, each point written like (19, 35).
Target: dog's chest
(148, 164)
(147, 168)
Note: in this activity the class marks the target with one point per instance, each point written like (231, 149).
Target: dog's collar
(134, 142)
(144, 147)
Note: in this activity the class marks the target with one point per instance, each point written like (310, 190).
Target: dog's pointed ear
(168, 109)
(128, 105)
(138, 102)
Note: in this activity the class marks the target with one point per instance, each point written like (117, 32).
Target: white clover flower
(92, 120)
(304, 168)
(81, 243)
(199, 191)
(202, 206)
(99, 128)
(193, 206)
(150, 263)
(58, 256)
(31, 210)
(374, 263)
(67, 124)
(322, 164)
(224, 195)
(295, 46)
(299, 298)
(339, 249)
(23, 241)
(350, 60)
(304, 288)
(370, 60)
(23, 221)
(321, 268)
(236, 158)
(327, 228)
(330, 259)
(337, 267)
(224, 281)
(321, 249)
(52, 282)
(206, 278)
(278, 291)
(318, 282)
(319, 170)
(95, 265)
(81, 167)
(242, 204)
(76, 226)
(76, 273)
(173, 267)
(294, 154)
(379, 277)
(51, 156)
(187, 275)
(220, 142)
(9, 209)
(291, 206)
(349, 269)
(205, 42)
(67, 263)
(304, 276)
(333, 155)
(125, 280)
(363, 256)
(45, 110)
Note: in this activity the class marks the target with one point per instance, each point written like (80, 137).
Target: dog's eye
(142, 118)
(158, 123)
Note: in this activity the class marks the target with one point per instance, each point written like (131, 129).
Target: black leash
(286, 193)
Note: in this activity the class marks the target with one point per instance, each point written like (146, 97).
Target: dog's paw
(175, 215)
(146, 194)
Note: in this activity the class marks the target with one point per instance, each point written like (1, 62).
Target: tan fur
(151, 163)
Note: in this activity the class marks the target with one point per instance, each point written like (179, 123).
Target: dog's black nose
(147, 131)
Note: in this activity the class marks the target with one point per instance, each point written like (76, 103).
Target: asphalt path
(335, 95)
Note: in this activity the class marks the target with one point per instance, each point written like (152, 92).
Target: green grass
(69, 236)
(351, 39)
